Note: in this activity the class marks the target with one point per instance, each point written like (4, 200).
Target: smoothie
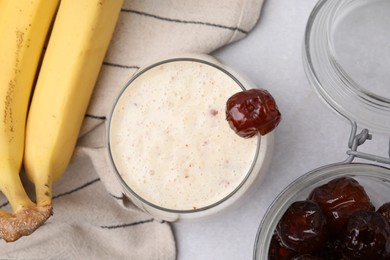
(169, 139)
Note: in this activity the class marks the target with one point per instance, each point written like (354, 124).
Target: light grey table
(310, 134)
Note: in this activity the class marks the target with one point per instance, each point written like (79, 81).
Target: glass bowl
(374, 178)
(170, 145)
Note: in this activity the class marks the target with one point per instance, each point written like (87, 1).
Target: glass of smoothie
(171, 146)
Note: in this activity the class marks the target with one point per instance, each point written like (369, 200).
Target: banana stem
(26, 216)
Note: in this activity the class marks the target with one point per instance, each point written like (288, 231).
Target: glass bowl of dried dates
(339, 211)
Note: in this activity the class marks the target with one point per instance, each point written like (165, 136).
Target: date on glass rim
(252, 111)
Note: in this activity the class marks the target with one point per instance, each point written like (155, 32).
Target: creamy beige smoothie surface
(170, 141)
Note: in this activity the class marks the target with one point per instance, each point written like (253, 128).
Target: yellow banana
(1, 11)
(24, 25)
(79, 40)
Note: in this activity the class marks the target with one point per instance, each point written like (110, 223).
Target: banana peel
(78, 43)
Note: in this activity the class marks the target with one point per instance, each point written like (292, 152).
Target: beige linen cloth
(92, 218)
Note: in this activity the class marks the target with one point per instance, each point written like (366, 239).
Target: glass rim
(135, 194)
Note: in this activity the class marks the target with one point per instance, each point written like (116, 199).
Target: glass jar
(167, 118)
(346, 57)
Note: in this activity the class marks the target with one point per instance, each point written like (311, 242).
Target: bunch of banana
(77, 44)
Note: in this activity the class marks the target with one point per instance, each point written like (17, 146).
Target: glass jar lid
(347, 59)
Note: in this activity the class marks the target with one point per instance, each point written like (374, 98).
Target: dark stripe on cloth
(128, 224)
(4, 204)
(116, 197)
(76, 189)
(120, 65)
(65, 193)
(185, 21)
(95, 117)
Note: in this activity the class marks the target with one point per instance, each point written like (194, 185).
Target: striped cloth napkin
(92, 218)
